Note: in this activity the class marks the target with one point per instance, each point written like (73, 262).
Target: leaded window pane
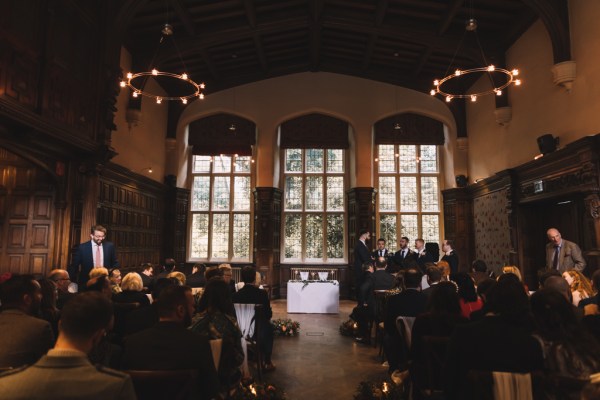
(293, 160)
(314, 193)
(409, 226)
(314, 160)
(221, 193)
(314, 236)
(293, 236)
(201, 164)
(429, 194)
(220, 236)
(242, 164)
(241, 236)
(241, 194)
(293, 193)
(199, 236)
(335, 236)
(335, 193)
(428, 159)
(387, 158)
(408, 193)
(335, 160)
(200, 193)
(222, 164)
(408, 158)
(387, 193)
(387, 230)
(431, 228)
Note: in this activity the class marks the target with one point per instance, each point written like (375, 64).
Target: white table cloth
(313, 298)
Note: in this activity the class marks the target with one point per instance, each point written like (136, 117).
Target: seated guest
(196, 278)
(251, 294)
(169, 345)
(408, 303)
(96, 272)
(132, 290)
(442, 316)
(167, 268)
(569, 350)
(62, 280)
(211, 272)
(146, 317)
(469, 301)
(595, 287)
(513, 269)
(115, 280)
(228, 276)
(581, 287)
(479, 271)
(445, 267)
(147, 275)
(178, 276)
(215, 321)
(434, 277)
(501, 341)
(24, 338)
(482, 292)
(100, 284)
(544, 274)
(65, 372)
(48, 309)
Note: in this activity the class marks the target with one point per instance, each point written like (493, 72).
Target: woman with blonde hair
(180, 276)
(581, 288)
(513, 269)
(132, 290)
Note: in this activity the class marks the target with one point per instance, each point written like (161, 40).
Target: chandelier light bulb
(184, 100)
(473, 98)
(491, 68)
(517, 82)
(448, 99)
(134, 94)
(202, 85)
(129, 75)
(457, 72)
(184, 76)
(122, 84)
(436, 82)
(154, 71)
(201, 96)
(432, 92)
(515, 72)
(158, 100)
(498, 92)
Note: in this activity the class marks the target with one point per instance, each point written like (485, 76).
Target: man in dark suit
(65, 372)
(380, 251)
(24, 338)
(408, 303)
(250, 294)
(403, 254)
(450, 255)
(169, 345)
(94, 253)
(361, 255)
(562, 254)
(420, 254)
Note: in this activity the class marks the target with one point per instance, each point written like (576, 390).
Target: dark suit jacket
(169, 346)
(361, 256)
(491, 344)
(386, 253)
(250, 294)
(24, 338)
(83, 262)
(408, 303)
(452, 260)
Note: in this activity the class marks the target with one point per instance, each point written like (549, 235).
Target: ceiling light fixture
(137, 81)
(509, 76)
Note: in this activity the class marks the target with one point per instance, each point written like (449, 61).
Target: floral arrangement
(285, 327)
(384, 390)
(261, 391)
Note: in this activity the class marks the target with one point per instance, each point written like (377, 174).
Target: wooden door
(26, 216)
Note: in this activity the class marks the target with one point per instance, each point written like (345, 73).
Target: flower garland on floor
(285, 327)
(382, 391)
(260, 391)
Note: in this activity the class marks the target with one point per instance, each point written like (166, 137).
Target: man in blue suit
(92, 254)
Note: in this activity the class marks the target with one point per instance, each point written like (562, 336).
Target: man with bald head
(62, 280)
(562, 255)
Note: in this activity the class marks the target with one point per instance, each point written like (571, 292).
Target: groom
(92, 254)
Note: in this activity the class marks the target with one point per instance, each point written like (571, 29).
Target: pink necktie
(98, 257)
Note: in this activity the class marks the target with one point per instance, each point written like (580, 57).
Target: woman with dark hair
(469, 301)
(442, 316)
(432, 252)
(214, 321)
(569, 349)
(48, 309)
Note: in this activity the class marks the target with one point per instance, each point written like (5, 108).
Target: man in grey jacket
(561, 254)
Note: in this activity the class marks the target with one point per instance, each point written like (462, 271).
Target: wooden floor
(320, 363)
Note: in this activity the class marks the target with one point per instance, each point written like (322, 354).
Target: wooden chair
(248, 315)
(430, 379)
(167, 385)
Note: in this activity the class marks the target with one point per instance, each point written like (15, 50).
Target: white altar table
(317, 297)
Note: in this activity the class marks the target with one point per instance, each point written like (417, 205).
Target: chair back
(158, 385)
(245, 317)
(404, 326)
(434, 357)
(248, 315)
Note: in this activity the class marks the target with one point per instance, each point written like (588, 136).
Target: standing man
(402, 254)
(450, 255)
(561, 254)
(361, 255)
(92, 254)
(381, 251)
(420, 253)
